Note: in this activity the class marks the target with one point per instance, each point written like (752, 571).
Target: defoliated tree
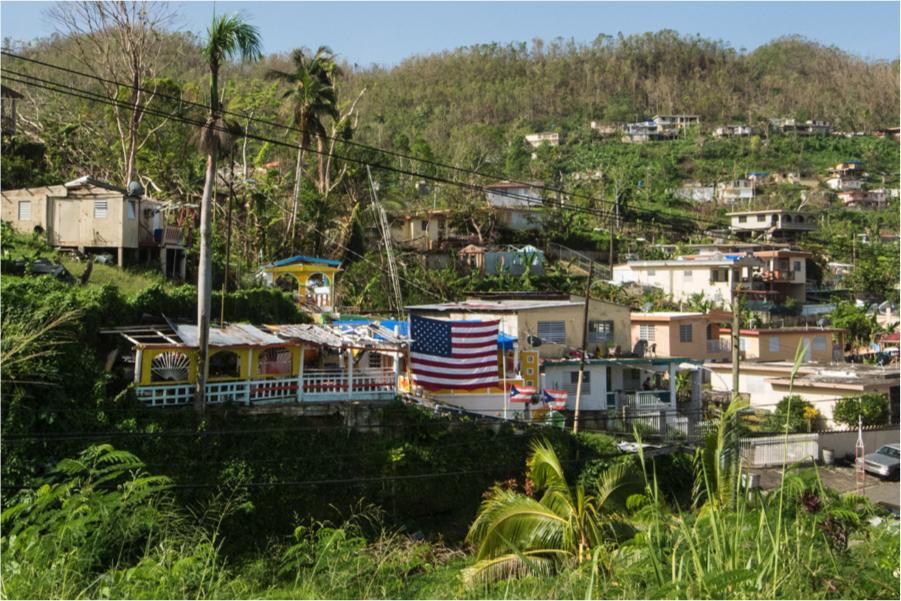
(228, 37)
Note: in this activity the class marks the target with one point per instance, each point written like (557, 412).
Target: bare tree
(121, 42)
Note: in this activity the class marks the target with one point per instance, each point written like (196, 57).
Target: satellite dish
(718, 256)
(821, 322)
(646, 307)
(135, 189)
(534, 341)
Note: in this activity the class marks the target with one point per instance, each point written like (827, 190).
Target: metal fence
(779, 450)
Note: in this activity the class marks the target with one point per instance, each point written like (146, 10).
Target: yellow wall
(249, 365)
(758, 347)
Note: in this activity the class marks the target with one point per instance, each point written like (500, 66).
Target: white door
(66, 218)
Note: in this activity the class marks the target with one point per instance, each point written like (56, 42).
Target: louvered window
(24, 210)
(685, 332)
(375, 360)
(99, 209)
(572, 385)
(552, 331)
(646, 332)
(819, 343)
(631, 379)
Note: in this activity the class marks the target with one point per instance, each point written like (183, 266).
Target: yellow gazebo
(315, 276)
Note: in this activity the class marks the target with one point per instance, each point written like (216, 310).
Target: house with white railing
(551, 138)
(626, 384)
(265, 364)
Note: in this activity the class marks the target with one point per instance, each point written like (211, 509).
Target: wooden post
(303, 349)
(736, 342)
(584, 345)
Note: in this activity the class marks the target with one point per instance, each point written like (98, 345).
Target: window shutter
(552, 331)
(819, 343)
(685, 332)
(99, 209)
(571, 387)
(774, 344)
(687, 276)
(24, 210)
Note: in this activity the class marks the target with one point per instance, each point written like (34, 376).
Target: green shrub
(872, 407)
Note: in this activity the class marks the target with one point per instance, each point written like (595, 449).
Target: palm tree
(519, 535)
(228, 37)
(313, 96)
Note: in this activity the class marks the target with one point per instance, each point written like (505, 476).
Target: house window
(797, 265)
(646, 332)
(714, 275)
(571, 386)
(375, 360)
(552, 331)
(755, 385)
(743, 219)
(774, 344)
(99, 209)
(743, 344)
(530, 371)
(652, 274)
(131, 209)
(710, 332)
(24, 210)
(819, 343)
(685, 332)
(686, 277)
(761, 218)
(600, 331)
(424, 225)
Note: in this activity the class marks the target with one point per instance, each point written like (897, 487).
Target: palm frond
(519, 519)
(511, 566)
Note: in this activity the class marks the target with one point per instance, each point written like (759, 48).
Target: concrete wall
(758, 347)
(672, 280)
(845, 442)
(666, 336)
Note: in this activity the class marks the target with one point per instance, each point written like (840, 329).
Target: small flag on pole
(555, 399)
(521, 395)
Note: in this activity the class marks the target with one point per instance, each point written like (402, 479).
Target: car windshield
(889, 452)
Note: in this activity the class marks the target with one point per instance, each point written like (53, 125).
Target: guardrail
(602, 272)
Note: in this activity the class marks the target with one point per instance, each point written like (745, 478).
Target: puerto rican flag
(453, 354)
(554, 399)
(522, 394)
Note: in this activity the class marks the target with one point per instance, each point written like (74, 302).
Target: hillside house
(98, 217)
(692, 335)
(739, 190)
(626, 385)
(863, 200)
(849, 169)
(603, 130)
(552, 139)
(694, 193)
(823, 345)
(785, 273)
(838, 182)
(639, 133)
(517, 206)
(772, 224)
(807, 128)
(808, 179)
(8, 100)
(716, 276)
(677, 122)
(766, 384)
(734, 131)
(421, 231)
(558, 323)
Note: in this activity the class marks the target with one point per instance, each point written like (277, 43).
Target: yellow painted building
(315, 277)
(780, 344)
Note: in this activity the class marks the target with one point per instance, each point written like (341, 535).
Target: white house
(772, 223)
(552, 138)
(738, 190)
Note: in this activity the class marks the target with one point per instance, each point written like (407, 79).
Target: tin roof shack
(92, 216)
(629, 387)
(8, 99)
(693, 335)
(558, 323)
(768, 383)
(315, 278)
(824, 345)
(250, 364)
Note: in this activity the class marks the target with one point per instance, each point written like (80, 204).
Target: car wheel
(894, 476)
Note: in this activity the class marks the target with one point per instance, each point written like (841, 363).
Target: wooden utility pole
(228, 235)
(736, 342)
(584, 347)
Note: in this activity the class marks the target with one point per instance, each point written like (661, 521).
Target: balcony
(721, 345)
(779, 275)
(647, 399)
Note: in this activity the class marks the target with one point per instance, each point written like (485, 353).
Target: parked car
(884, 462)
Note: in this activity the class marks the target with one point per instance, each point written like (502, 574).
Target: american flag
(522, 394)
(555, 399)
(453, 354)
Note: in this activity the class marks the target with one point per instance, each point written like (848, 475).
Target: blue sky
(388, 32)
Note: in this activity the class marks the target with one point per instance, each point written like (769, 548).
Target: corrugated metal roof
(496, 306)
(365, 335)
(302, 259)
(230, 335)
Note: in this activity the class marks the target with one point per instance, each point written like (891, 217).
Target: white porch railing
(779, 450)
(329, 385)
(648, 399)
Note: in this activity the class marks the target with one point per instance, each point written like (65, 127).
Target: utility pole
(736, 342)
(584, 346)
(228, 235)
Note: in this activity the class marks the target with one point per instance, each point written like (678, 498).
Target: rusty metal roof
(230, 335)
(371, 335)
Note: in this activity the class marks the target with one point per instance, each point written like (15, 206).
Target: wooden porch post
(303, 349)
(350, 374)
(672, 384)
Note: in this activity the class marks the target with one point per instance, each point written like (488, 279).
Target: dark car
(885, 462)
